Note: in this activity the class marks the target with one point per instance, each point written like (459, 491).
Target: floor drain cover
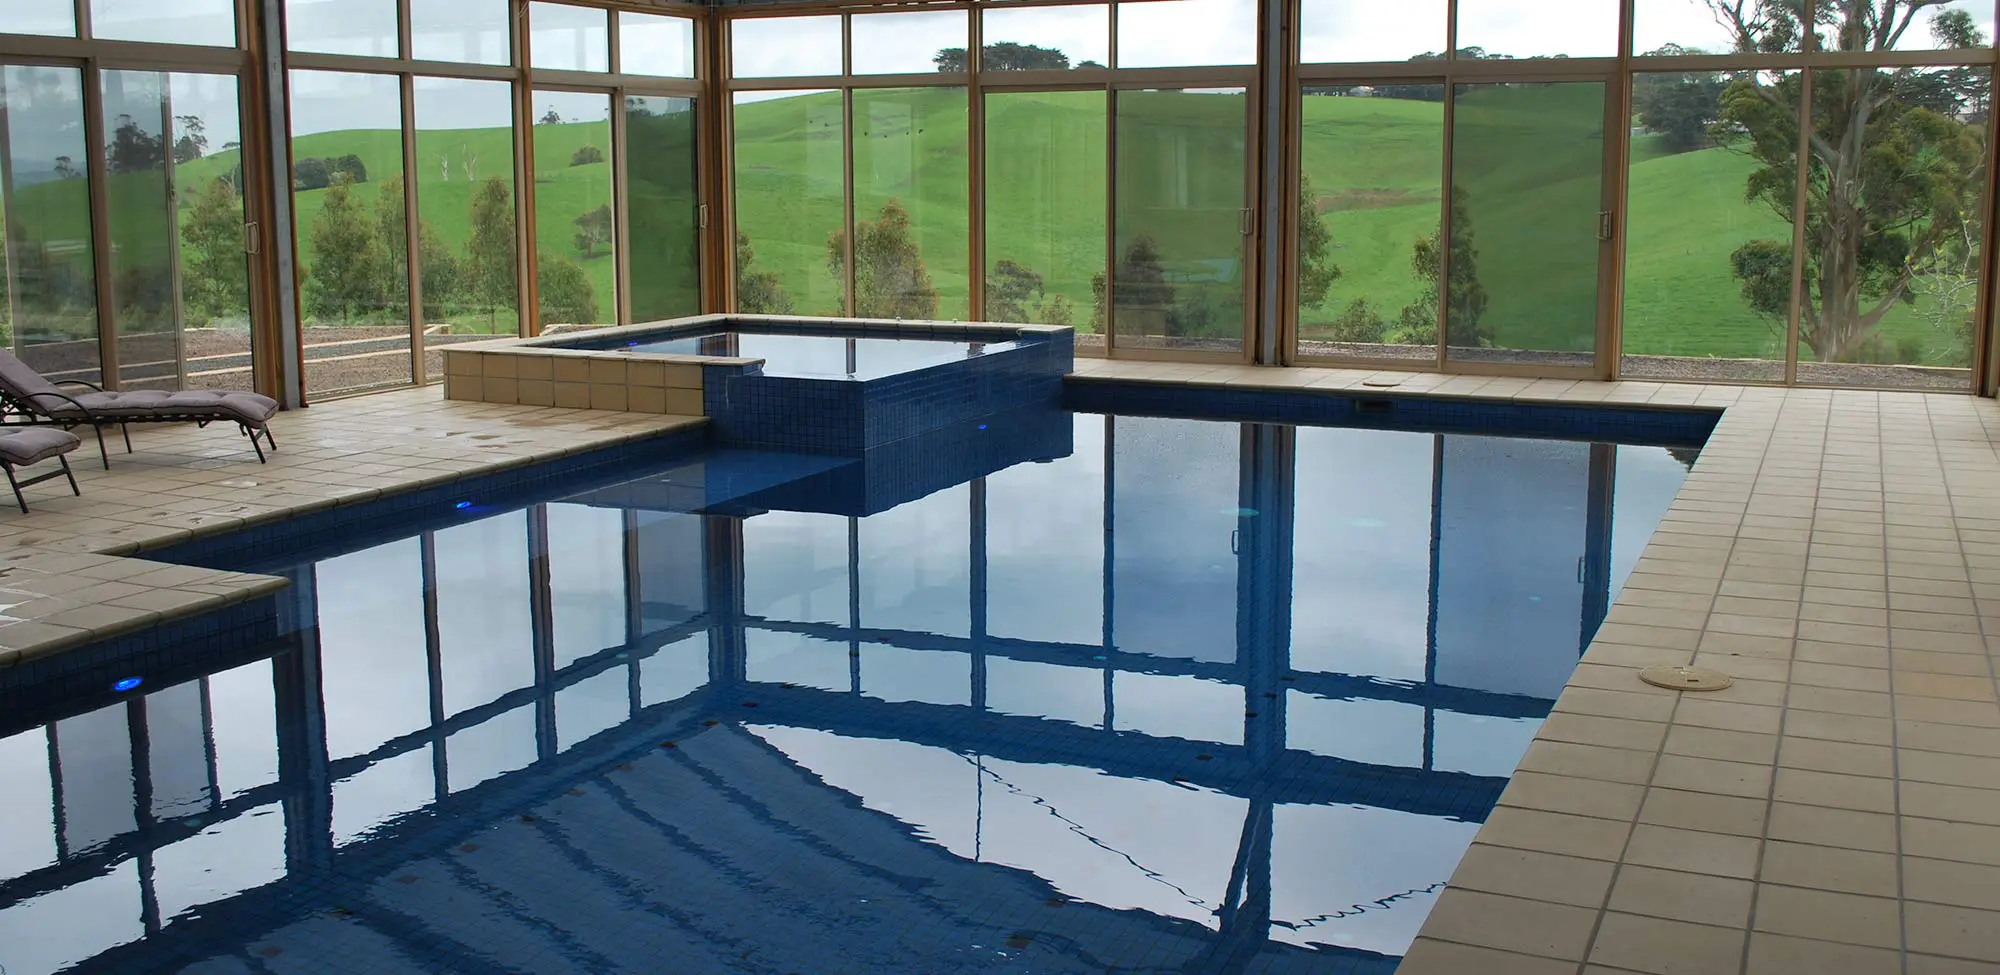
(1686, 678)
(1381, 383)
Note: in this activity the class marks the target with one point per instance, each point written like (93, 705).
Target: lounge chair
(22, 446)
(24, 393)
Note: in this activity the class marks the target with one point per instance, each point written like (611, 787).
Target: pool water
(820, 354)
(1200, 697)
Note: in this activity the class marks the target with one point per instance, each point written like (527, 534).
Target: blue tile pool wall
(749, 409)
(1670, 427)
(916, 467)
(189, 646)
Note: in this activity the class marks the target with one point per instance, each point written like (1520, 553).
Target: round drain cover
(1381, 383)
(1686, 678)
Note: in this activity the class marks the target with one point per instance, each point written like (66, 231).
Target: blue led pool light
(462, 505)
(127, 684)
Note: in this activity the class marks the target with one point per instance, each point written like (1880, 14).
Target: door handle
(1603, 225)
(1233, 533)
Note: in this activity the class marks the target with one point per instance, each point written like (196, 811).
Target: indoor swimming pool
(1197, 696)
(825, 353)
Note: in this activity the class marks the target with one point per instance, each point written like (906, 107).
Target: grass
(1527, 158)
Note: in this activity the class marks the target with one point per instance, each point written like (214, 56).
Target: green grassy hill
(1528, 164)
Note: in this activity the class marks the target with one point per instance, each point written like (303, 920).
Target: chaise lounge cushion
(22, 446)
(238, 406)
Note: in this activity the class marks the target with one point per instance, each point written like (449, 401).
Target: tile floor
(182, 481)
(1836, 810)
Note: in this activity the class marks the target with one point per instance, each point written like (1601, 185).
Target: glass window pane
(1180, 197)
(1892, 256)
(474, 31)
(784, 47)
(360, 27)
(789, 202)
(1368, 559)
(1674, 27)
(1365, 218)
(566, 38)
(213, 272)
(1045, 38)
(913, 43)
(1163, 33)
(1358, 30)
(1527, 173)
(55, 18)
(662, 201)
(1863, 27)
(795, 569)
(465, 201)
(1520, 28)
(587, 581)
(1045, 208)
(51, 291)
(576, 260)
(650, 45)
(910, 187)
(142, 261)
(1692, 233)
(353, 279)
(211, 22)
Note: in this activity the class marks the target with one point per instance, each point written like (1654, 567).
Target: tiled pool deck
(66, 575)
(1836, 810)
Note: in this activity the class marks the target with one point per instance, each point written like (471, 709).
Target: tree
(1895, 171)
(66, 168)
(193, 143)
(1317, 272)
(1465, 298)
(757, 292)
(311, 173)
(551, 117)
(890, 280)
(586, 156)
(350, 168)
(1359, 322)
(133, 149)
(1004, 56)
(489, 254)
(1014, 293)
(565, 292)
(349, 265)
(438, 268)
(214, 274)
(1680, 108)
(1142, 285)
(592, 229)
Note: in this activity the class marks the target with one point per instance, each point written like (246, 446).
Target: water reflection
(1198, 695)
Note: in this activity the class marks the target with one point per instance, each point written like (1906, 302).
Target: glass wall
(856, 189)
(51, 300)
(576, 221)
(663, 207)
(1045, 208)
(1367, 265)
(354, 280)
(790, 212)
(1738, 260)
(468, 253)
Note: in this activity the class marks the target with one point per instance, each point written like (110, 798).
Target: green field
(1527, 162)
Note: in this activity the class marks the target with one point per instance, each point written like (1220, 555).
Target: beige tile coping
(67, 575)
(1837, 810)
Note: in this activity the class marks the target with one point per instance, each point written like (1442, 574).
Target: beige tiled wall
(573, 380)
